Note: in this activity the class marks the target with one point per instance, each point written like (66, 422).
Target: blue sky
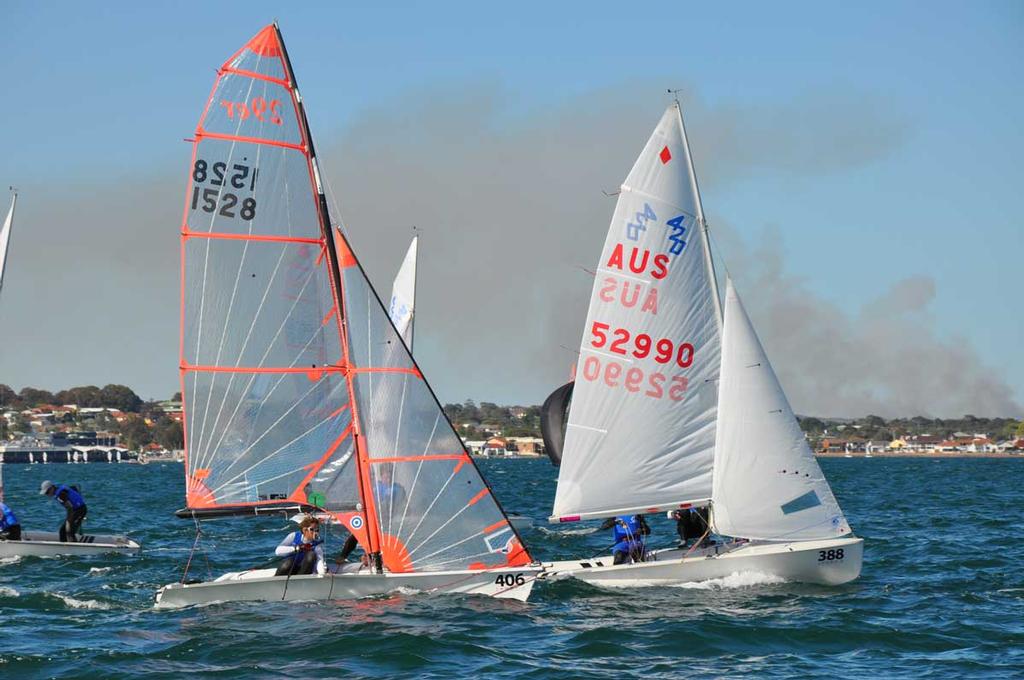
(99, 96)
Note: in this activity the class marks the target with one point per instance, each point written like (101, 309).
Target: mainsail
(641, 427)
(768, 484)
(5, 237)
(293, 377)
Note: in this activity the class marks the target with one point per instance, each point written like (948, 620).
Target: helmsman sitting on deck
(73, 503)
(10, 527)
(303, 550)
(629, 532)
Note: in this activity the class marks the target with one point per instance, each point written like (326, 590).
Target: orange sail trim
(262, 369)
(202, 134)
(318, 465)
(476, 499)
(187, 233)
(265, 43)
(257, 76)
(345, 256)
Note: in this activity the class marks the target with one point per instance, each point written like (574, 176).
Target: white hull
(803, 561)
(48, 544)
(262, 586)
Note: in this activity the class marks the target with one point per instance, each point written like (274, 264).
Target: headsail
(402, 309)
(641, 425)
(5, 237)
(292, 373)
(768, 484)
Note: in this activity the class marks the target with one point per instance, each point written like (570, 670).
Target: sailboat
(675, 404)
(295, 380)
(48, 543)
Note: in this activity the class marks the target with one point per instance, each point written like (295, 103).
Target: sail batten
(641, 425)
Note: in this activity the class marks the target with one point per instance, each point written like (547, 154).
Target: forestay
(5, 238)
(768, 484)
(641, 427)
(292, 373)
(402, 309)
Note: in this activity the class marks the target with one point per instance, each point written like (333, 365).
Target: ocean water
(941, 594)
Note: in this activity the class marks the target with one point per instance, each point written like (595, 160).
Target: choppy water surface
(942, 593)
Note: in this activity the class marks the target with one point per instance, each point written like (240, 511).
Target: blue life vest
(74, 497)
(630, 532)
(297, 541)
(7, 518)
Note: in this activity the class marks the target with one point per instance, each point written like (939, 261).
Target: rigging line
(213, 219)
(450, 520)
(249, 448)
(453, 545)
(426, 513)
(419, 468)
(398, 431)
(464, 558)
(266, 353)
(241, 352)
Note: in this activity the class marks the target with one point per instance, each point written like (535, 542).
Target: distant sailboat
(675, 405)
(48, 543)
(293, 376)
(5, 237)
(402, 309)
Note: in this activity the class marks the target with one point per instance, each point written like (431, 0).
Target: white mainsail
(767, 483)
(641, 427)
(5, 237)
(403, 295)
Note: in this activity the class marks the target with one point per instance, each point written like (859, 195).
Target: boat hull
(48, 544)
(263, 586)
(826, 562)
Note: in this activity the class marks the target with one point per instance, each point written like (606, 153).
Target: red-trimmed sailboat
(296, 385)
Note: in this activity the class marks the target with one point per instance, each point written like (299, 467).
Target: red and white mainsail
(292, 373)
(641, 427)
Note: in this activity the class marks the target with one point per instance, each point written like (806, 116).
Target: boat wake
(14, 559)
(568, 532)
(75, 603)
(737, 579)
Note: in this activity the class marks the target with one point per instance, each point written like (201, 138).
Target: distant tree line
(134, 431)
(477, 421)
(878, 428)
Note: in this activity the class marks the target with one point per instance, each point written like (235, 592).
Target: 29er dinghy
(296, 382)
(674, 408)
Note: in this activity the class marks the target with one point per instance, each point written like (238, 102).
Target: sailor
(73, 503)
(629, 532)
(691, 525)
(386, 490)
(303, 550)
(10, 527)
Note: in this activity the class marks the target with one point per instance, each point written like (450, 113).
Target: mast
(708, 260)
(362, 459)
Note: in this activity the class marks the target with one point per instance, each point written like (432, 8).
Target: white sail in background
(641, 427)
(5, 238)
(767, 483)
(403, 295)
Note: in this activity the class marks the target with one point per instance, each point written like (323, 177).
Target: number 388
(830, 555)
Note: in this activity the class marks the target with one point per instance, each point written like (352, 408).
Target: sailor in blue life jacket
(388, 492)
(629, 532)
(74, 504)
(303, 550)
(10, 527)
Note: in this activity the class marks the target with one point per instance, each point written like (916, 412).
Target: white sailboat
(295, 382)
(402, 311)
(676, 407)
(48, 543)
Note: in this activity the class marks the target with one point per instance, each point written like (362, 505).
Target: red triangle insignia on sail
(265, 43)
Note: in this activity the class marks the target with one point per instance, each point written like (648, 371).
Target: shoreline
(922, 454)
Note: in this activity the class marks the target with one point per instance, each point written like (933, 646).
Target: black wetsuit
(74, 504)
(691, 524)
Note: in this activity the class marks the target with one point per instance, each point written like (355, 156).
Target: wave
(6, 591)
(13, 559)
(99, 570)
(75, 603)
(583, 531)
(737, 579)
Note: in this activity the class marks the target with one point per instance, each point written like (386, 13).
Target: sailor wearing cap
(73, 502)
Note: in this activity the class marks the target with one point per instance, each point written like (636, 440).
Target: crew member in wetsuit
(691, 524)
(73, 503)
(629, 532)
(10, 527)
(303, 550)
